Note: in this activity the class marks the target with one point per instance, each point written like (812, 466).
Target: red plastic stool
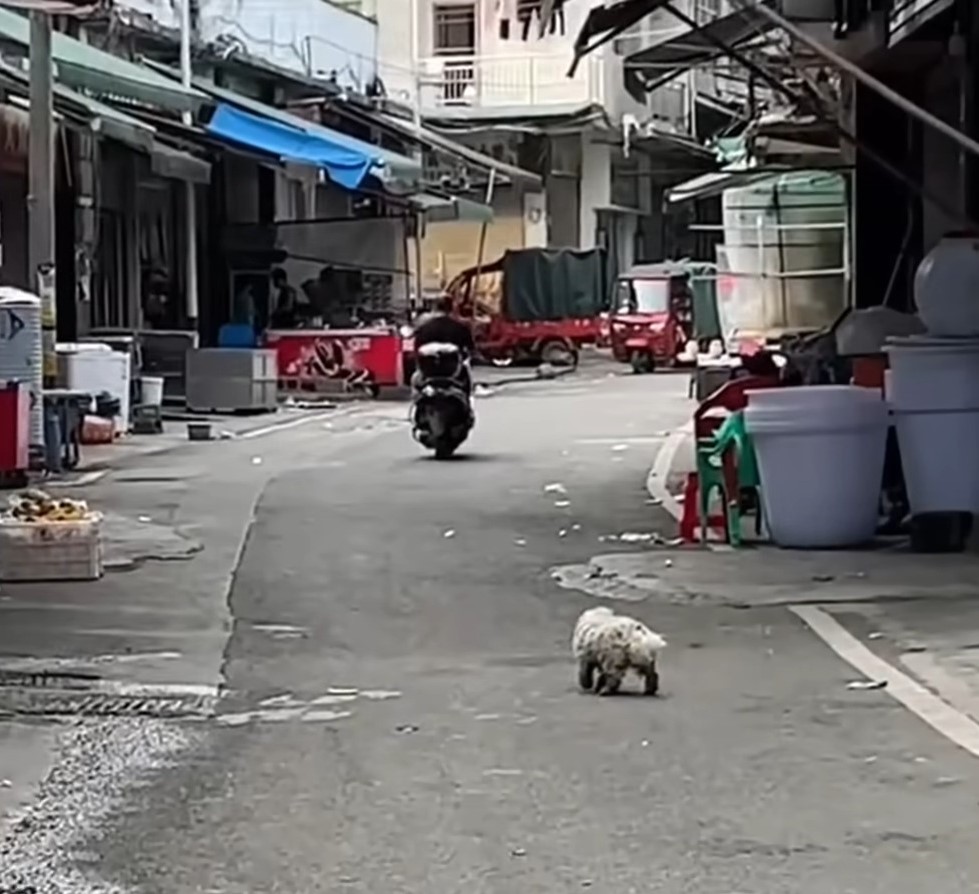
(690, 520)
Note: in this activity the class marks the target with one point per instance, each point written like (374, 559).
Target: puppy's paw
(586, 675)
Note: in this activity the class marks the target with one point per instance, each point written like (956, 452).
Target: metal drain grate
(52, 694)
(88, 704)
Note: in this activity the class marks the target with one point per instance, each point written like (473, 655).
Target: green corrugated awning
(445, 208)
(98, 117)
(89, 68)
(102, 120)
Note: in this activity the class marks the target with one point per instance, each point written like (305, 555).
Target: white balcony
(507, 84)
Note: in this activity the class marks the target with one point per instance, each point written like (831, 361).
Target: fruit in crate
(39, 507)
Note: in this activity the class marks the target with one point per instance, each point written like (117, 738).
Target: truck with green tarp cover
(534, 304)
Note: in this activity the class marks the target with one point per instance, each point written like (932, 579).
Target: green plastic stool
(710, 474)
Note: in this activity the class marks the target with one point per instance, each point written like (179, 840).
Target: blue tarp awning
(346, 164)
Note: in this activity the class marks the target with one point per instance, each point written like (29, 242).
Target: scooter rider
(442, 327)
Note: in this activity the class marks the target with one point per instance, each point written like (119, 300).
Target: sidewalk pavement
(132, 448)
(918, 612)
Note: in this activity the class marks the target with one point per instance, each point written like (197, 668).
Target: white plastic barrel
(22, 353)
(820, 456)
(933, 391)
(152, 390)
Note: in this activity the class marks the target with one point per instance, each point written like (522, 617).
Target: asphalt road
(402, 715)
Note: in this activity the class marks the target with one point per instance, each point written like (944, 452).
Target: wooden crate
(51, 551)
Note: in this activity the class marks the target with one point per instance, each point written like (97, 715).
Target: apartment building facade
(494, 76)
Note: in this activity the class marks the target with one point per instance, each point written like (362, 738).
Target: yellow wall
(450, 247)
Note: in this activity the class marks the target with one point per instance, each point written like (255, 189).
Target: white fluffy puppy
(612, 645)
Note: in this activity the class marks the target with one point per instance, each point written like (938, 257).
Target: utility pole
(415, 64)
(190, 194)
(40, 198)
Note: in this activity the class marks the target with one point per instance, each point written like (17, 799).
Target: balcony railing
(488, 82)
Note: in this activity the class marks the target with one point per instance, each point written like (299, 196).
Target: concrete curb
(658, 477)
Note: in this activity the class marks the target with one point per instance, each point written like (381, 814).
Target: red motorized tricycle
(652, 315)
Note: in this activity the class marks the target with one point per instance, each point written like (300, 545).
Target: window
(639, 296)
(454, 35)
(454, 32)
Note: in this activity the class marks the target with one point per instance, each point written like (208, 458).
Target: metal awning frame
(810, 102)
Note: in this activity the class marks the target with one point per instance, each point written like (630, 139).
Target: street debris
(324, 716)
(323, 700)
(576, 527)
(518, 852)
(620, 448)
(449, 534)
(256, 460)
(668, 563)
(563, 532)
(483, 391)
(519, 541)
(638, 537)
(562, 504)
(875, 635)
(280, 631)
(145, 519)
(379, 695)
(342, 690)
(862, 685)
(555, 488)
(406, 729)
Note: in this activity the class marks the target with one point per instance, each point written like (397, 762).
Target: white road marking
(620, 442)
(938, 714)
(285, 426)
(657, 479)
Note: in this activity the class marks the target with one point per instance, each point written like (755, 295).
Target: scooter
(441, 412)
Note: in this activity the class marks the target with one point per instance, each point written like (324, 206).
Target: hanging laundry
(498, 14)
(557, 18)
(528, 12)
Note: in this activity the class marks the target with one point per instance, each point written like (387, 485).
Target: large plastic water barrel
(784, 254)
(820, 456)
(933, 389)
(21, 352)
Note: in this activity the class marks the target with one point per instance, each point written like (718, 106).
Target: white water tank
(784, 255)
(22, 353)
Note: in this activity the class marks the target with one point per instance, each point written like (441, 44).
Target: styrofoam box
(51, 551)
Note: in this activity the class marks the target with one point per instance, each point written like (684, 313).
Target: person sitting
(442, 328)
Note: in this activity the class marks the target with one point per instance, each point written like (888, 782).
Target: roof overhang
(605, 23)
(713, 184)
(82, 66)
(655, 66)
